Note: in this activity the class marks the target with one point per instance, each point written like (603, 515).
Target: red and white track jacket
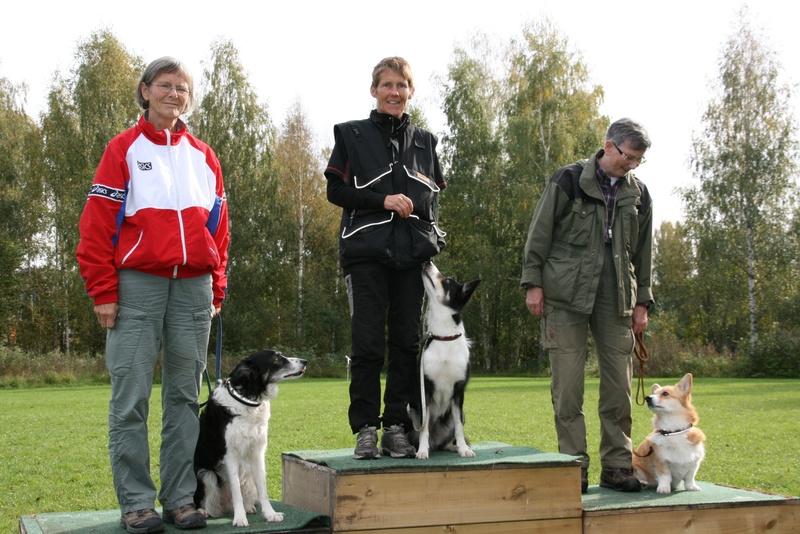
(156, 205)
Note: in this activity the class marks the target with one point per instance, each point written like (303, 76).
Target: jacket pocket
(581, 223)
(366, 233)
(379, 180)
(422, 190)
(132, 248)
(629, 217)
(426, 239)
(559, 278)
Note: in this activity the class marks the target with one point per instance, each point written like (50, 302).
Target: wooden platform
(509, 489)
(503, 489)
(714, 509)
(107, 522)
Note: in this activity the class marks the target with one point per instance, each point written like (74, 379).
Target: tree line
(727, 283)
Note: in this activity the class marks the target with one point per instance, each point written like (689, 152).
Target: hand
(534, 300)
(399, 203)
(639, 318)
(106, 314)
(217, 309)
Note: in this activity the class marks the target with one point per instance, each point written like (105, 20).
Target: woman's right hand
(399, 204)
(106, 314)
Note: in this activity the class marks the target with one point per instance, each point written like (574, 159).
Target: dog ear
(654, 388)
(685, 385)
(243, 375)
(467, 289)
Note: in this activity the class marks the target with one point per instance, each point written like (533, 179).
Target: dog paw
(663, 489)
(273, 516)
(240, 521)
(466, 453)
(422, 454)
(691, 486)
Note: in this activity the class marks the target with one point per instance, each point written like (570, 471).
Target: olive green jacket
(565, 248)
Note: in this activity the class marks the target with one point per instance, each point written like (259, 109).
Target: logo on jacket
(145, 165)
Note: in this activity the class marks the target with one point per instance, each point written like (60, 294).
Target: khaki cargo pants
(564, 336)
(156, 314)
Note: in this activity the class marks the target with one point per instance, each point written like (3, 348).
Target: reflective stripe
(355, 179)
(421, 178)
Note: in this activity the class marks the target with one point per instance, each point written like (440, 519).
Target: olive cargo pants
(564, 336)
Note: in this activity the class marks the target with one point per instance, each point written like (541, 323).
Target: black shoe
(584, 479)
(619, 479)
(367, 444)
(142, 521)
(185, 517)
(394, 442)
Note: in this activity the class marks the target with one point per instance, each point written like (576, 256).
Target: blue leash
(218, 366)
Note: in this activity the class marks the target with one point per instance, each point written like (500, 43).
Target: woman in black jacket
(385, 174)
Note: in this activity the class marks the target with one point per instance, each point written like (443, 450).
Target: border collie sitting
(437, 414)
(229, 458)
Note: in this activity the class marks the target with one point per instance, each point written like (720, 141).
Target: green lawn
(53, 441)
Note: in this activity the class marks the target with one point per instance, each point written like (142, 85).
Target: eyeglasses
(628, 157)
(167, 88)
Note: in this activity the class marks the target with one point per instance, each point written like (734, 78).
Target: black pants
(385, 304)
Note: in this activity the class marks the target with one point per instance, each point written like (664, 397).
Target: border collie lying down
(437, 414)
(229, 458)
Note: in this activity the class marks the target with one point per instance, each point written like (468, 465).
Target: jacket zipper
(171, 156)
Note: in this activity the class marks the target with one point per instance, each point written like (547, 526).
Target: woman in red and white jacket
(153, 252)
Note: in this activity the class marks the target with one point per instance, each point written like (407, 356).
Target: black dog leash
(218, 366)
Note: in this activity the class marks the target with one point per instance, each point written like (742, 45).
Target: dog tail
(415, 416)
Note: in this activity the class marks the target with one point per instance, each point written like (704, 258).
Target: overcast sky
(657, 61)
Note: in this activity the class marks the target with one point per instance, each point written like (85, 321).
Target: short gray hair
(159, 66)
(628, 130)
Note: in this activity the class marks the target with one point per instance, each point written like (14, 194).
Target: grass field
(53, 440)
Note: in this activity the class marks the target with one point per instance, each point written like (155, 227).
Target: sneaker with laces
(367, 444)
(142, 521)
(619, 479)
(394, 442)
(185, 517)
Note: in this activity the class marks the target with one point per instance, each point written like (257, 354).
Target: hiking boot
(394, 442)
(142, 521)
(619, 479)
(367, 444)
(584, 479)
(185, 517)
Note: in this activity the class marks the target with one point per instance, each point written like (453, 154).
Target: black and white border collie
(229, 458)
(437, 414)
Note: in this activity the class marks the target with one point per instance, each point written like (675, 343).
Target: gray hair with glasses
(628, 130)
(160, 66)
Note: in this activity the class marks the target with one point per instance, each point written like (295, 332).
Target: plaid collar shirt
(609, 191)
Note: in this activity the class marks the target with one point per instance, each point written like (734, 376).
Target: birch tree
(744, 159)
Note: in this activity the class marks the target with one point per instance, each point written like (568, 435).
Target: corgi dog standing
(437, 412)
(672, 453)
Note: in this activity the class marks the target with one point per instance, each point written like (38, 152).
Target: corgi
(672, 453)
(437, 413)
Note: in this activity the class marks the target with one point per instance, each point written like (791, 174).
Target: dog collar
(444, 338)
(238, 396)
(673, 432)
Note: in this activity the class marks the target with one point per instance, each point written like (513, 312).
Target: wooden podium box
(713, 510)
(503, 489)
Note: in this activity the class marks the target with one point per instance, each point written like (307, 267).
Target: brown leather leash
(642, 355)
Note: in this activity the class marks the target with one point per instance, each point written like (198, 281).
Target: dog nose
(649, 400)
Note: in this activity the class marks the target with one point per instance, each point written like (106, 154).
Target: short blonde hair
(398, 65)
(161, 65)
